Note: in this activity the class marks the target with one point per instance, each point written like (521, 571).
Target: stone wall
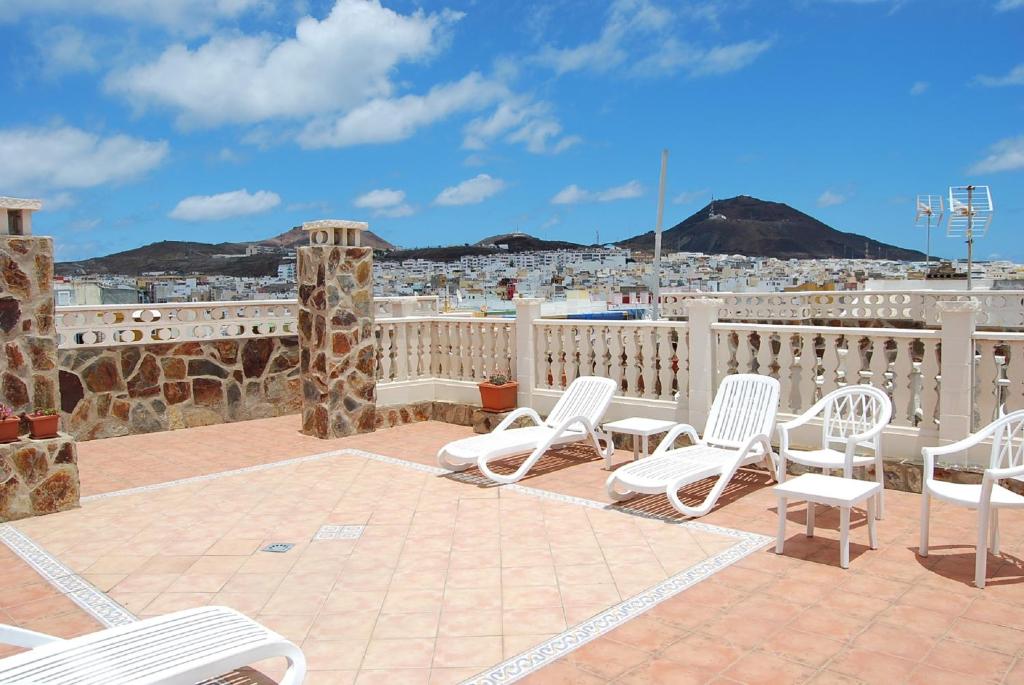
(38, 477)
(130, 389)
(28, 361)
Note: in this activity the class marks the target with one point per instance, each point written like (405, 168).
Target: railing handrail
(831, 330)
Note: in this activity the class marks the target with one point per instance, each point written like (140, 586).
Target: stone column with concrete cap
(36, 476)
(338, 350)
(701, 314)
(956, 393)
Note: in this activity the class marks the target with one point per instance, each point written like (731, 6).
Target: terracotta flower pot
(9, 429)
(498, 398)
(43, 426)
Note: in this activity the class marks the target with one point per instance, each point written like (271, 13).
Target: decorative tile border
(111, 613)
(101, 607)
(339, 532)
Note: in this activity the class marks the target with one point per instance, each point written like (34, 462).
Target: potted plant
(498, 393)
(43, 422)
(10, 425)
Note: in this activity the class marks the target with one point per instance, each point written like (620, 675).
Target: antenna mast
(655, 313)
(970, 214)
(929, 207)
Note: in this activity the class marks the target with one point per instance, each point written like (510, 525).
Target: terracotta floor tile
(399, 653)
(702, 653)
(467, 652)
(757, 668)
(872, 667)
(607, 659)
(660, 671)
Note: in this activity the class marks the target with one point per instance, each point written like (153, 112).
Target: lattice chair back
(745, 405)
(587, 396)
(1007, 442)
(854, 410)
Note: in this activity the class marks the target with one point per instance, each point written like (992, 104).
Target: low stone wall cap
(971, 305)
(334, 223)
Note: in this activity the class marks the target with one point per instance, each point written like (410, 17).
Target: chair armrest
(516, 415)
(1000, 474)
(815, 409)
(20, 637)
(571, 421)
(674, 432)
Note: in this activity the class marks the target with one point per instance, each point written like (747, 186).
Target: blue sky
(232, 120)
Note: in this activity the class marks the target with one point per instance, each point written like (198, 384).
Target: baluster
(387, 349)
(681, 360)
(664, 358)
(744, 352)
(905, 383)
(427, 349)
(542, 353)
(444, 356)
(460, 362)
(1014, 375)
(569, 351)
(763, 354)
(878, 365)
(601, 334)
(615, 363)
(850, 360)
(645, 362)
(789, 399)
(830, 362)
(477, 343)
(986, 392)
(930, 382)
(725, 355)
(632, 362)
(557, 356)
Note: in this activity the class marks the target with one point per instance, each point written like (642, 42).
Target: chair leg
(872, 533)
(981, 553)
(880, 477)
(993, 543)
(925, 514)
(844, 537)
(810, 519)
(780, 475)
(780, 536)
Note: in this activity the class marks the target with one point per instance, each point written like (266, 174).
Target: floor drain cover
(339, 532)
(278, 547)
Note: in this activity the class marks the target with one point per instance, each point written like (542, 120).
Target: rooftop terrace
(400, 573)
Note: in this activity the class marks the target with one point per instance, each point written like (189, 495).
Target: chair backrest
(853, 410)
(744, 406)
(1007, 441)
(587, 396)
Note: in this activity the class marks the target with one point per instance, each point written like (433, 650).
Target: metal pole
(928, 243)
(655, 305)
(970, 234)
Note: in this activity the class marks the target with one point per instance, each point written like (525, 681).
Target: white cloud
(385, 202)
(387, 120)
(688, 196)
(1005, 155)
(519, 119)
(471, 191)
(573, 194)
(919, 88)
(1015, 77)
(639, 38)
(68, 157)
(188, 16)
(1007, 5)
(59, 201)
(831, 198)
(332, 64)
(65, 49)
(224, 205)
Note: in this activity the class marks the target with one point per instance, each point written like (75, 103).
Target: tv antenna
(970, 214)
(930, 208)
(655, 313)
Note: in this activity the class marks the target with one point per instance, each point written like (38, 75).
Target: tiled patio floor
(892, 617)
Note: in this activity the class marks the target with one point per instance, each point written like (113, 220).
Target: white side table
(844, 493)
(641, 428)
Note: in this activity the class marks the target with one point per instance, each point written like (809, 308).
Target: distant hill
(510, 242)
(176, 256)
(757, 228)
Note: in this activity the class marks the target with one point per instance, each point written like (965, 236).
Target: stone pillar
(337, 361)
(527, 311)
(701, 313)
(36, 476)
(956, 393)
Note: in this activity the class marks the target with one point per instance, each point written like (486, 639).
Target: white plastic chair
(852, 417)
(1006, 461)
(576, 417)
(182, 648)
(736, 435)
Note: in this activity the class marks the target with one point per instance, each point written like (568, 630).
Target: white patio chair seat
(736, 435)
(693, 463)
(852, 417)
(576, 417)
(1005, 462)
(182, 648)
(507, 442)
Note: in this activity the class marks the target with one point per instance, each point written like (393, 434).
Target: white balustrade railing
(416, 305)
(999, 308)
(447, 348)
(811, 361)
(647, 359)
(998, 375)
(141, 324)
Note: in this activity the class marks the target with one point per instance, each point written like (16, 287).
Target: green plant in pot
(43, 422)
(10, 425)
(498, 393)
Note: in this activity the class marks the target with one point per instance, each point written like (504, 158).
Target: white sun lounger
(736, 435)
(575, 418)
(182, 648)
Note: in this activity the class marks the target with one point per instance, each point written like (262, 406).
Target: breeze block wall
(111, 391)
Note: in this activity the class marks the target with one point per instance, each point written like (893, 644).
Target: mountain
(757, 228)
(497, 244)
(225, 259)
